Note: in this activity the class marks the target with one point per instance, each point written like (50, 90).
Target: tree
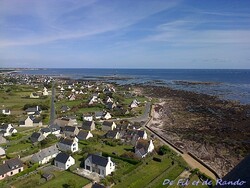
(163, 150)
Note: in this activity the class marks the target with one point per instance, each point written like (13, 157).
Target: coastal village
(58, 132)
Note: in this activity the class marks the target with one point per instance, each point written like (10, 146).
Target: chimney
(37, 109)
(109, 159)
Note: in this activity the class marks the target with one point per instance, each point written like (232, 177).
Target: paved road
(144, 117)
(52, 105)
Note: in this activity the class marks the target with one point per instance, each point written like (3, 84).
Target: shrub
(163, 150)
(157, 159)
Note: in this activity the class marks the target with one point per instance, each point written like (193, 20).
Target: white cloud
(71, 20)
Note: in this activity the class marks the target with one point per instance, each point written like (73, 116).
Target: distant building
(84, 135)
(70, 131)
(108, 125)
(88, 125)
(7, 129)
(6, 112)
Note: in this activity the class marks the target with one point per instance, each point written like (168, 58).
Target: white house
(31, 121)
(45, 155)
(68, 145)
(113, 134)
(45, 92)
(72, 97)
(84, 135)
(6, 112)
(10, 168)
(64, 161)
(55, 129)
(7, 129)
(70, 131)
(108, 125)
(87, 117)
(99, 164)
(143, 147)
(107, 115)
(62, 89)
(45, 131)
(34, 111)
(88, 125)
(134, 104)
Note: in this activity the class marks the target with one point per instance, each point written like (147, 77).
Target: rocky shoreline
(214, 130)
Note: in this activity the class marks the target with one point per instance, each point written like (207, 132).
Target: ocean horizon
(229, 84)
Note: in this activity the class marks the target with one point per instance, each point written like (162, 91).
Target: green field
(62, 180)
(147, 172)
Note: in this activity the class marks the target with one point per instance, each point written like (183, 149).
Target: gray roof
(62, 157)
(35, 137)
(36, 120)
(45, 130)
(99, 113)
(111, 133)
(87, 125)
(96, 185)
(107, 123)
(10, 165)
(82, 135)
(33, 109)
(4, 126)
(54, 127)
(98, 160)
(45, 153)
(66, 141)
(70, 128)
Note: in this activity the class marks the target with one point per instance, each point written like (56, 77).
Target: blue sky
(125, 33)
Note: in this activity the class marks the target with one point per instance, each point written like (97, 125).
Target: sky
(195, 34)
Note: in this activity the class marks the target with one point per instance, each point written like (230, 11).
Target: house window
(88, 167)
(2, 175)
(11, 173)
(19, 170)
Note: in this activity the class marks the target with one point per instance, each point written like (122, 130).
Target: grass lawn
(18, 147)
(118, 149)
(60, 181)
(171, 175)
(16, 100)
(144, 174)
(63, 178)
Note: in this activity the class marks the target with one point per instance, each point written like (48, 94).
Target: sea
(227, 84)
